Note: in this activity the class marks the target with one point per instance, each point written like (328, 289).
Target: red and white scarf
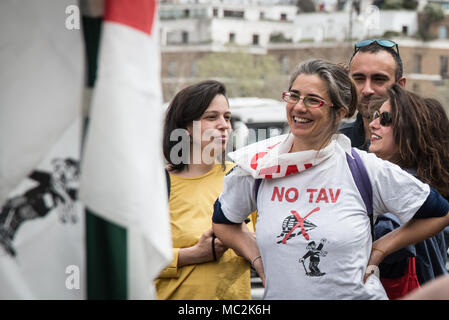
(270, 158)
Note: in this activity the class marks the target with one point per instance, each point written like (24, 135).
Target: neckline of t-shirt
(211, 171)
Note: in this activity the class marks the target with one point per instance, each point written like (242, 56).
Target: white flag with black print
(41, 222)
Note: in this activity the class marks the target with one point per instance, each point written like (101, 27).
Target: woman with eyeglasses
(313, 238)
(413, 133)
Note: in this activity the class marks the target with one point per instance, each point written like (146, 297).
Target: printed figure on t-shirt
(314, 254)
(294, 221)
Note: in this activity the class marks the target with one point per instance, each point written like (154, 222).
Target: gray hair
(341, 89)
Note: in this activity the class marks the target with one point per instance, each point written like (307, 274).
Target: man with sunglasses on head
(374, 66)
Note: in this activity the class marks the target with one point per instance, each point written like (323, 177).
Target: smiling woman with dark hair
(413, 133)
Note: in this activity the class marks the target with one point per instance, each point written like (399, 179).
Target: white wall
(244, 30)
(315, 27)
(319, 26)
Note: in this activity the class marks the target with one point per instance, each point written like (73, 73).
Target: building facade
(191, 30)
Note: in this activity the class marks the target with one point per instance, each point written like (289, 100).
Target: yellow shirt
(191, 207)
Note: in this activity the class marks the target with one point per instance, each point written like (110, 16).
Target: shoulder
(347, 126)
(355, 132)
(377, 166)
(229, 166)
(351, 125)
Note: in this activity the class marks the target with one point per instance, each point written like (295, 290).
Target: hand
(202, 251)
(258, 266)
(376, 257)
(220, 248)
(203, 247)
(371, 270)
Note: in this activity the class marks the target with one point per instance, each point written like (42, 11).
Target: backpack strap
(167, 177)
(257, 183)
(362, 181)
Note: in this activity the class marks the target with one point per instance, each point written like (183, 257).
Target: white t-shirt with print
(313, 231)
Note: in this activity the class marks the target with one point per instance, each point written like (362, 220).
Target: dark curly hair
(421, 134)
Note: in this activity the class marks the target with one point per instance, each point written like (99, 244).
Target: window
(186, 13)
(255, 39)
(185, 37)
(172, 69)
(285, 63)
(283, 17)
(443, 66)
(215, 12)
(404, 30)
(442, 32)
(232, 37)
(417, 58)
(194, 69)
(233, 14)
(262, 15)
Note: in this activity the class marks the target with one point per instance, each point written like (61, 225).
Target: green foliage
(400, 4)
(392, 5)
(388, 34)
(244, 75)
(278, 37)
(410, 4)
(432, 13)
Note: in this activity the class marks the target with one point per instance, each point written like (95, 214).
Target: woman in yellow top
(196, 129)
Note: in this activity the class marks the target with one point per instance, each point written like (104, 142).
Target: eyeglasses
(385, 118)
(382, 43)
(309, 101)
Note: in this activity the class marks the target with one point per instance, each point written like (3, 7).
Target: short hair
(374, 48)
(188, 105)
(341, 88)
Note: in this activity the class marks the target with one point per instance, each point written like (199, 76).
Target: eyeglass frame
(384, 121)
(303, 98)
(380, 42)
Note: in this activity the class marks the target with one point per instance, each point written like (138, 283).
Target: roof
(257, 110)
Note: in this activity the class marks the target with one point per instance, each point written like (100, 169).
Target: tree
(392, 5)
(244, 74)
(410, 4)
(398, 4)
(278, 37)
(432, 13)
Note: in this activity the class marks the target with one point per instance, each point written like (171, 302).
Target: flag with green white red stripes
(122, 178)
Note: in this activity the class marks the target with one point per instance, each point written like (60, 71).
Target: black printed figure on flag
(54, 190)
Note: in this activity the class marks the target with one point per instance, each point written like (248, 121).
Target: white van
(255, 119)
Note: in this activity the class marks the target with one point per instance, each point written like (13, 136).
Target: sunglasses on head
(385, 118)
(382, 43)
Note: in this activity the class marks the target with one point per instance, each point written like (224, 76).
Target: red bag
(399, 287)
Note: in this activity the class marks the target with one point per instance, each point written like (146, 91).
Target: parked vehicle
(255, 119)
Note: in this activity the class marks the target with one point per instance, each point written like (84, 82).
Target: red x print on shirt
(299, 224)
